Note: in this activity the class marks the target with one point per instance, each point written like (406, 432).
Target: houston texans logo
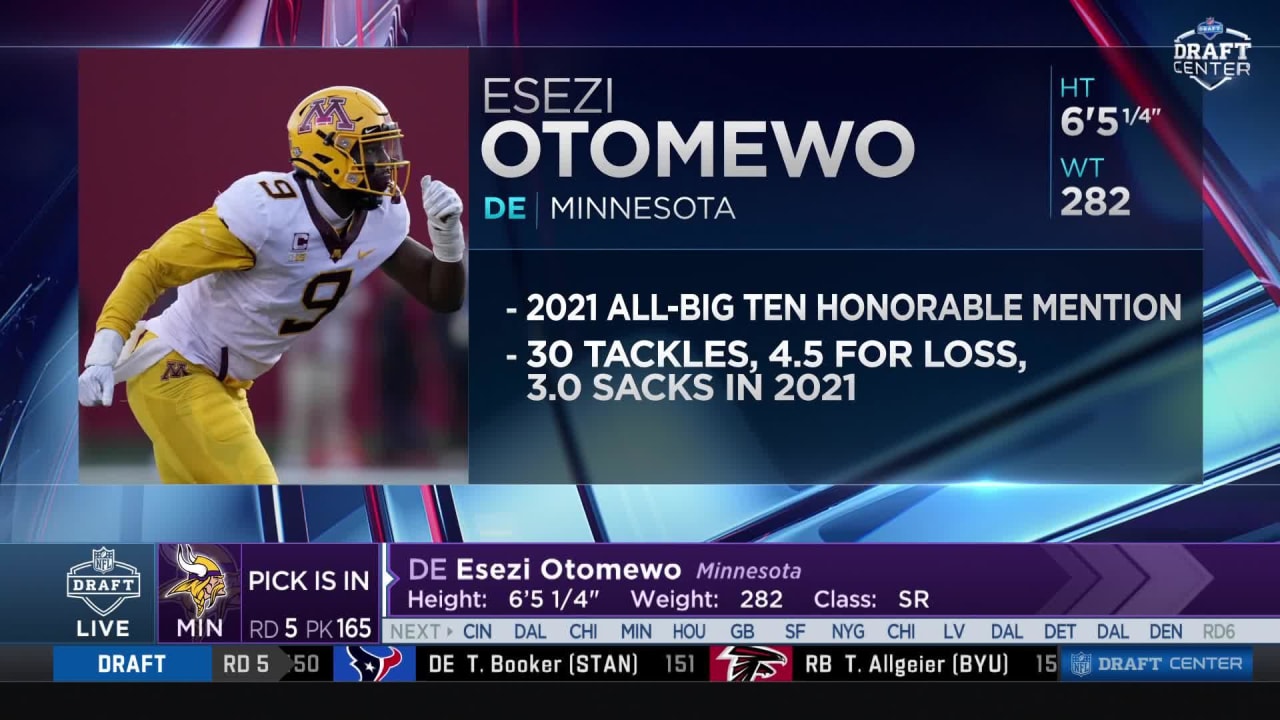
(749, 663)
(371, 667)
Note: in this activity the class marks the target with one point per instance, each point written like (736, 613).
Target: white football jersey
(239, 323)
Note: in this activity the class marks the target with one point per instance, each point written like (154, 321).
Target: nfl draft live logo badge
(751, 663)
(103, 583)
(1212, 54)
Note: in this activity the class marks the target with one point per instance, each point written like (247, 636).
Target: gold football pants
(201, 428)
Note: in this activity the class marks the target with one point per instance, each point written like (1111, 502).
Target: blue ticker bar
(137, 663)
(1156, 664)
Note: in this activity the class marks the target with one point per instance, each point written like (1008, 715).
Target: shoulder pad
(248, 204)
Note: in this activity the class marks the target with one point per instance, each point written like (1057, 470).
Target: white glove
(98, 382)
(444, 220)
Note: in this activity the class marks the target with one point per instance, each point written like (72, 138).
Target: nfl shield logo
(1081, 664)
(104, 560)
(1210, 29)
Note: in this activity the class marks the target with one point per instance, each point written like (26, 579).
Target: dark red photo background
(163, 131)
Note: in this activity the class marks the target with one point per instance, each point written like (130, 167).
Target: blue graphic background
(48, 614)
(890, 432)
(980, 120)
(1237, 502)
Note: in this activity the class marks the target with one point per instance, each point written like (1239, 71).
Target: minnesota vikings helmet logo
(204, 583)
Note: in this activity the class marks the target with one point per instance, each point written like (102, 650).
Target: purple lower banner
(950, 580)
(327, 593)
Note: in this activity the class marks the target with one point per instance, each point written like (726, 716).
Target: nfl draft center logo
(1212, 54)
(103, 583)
(1081, 664)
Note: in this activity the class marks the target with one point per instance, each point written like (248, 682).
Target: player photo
(272, 267)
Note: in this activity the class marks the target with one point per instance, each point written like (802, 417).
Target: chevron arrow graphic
(1175, 578)
(1118, 579)
(1079, 579)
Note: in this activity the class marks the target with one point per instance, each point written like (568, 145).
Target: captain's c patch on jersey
(299, 251)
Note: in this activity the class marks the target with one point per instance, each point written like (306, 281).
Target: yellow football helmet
(345, 137)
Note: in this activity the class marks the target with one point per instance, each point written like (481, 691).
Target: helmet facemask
(375, 161)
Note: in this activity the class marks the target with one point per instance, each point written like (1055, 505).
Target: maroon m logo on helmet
(327, 111)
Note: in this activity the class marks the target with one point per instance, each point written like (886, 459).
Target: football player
(275, 254)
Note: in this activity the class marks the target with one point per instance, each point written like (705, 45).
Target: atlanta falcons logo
(749, 663)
